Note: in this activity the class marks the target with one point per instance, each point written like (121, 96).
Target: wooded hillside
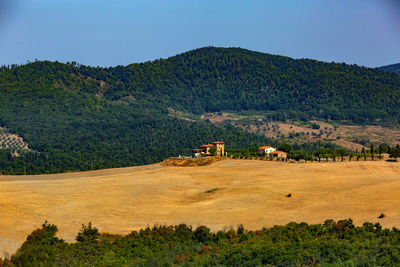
(81, 118)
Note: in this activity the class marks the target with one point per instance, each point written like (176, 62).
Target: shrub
(202, 234)
(295, 244)
(88, 234)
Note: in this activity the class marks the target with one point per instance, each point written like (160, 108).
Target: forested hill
(214, 79)
(392, 68)
(76, 117)
(68, 131)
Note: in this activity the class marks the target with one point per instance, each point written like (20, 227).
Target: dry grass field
(224, 194)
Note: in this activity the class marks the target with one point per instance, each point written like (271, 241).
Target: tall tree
(372, 151)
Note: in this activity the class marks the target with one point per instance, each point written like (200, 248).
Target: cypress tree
(372, 151)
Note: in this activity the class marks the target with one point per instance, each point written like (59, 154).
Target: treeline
(319, 151)
(328, 153)
(295, 244)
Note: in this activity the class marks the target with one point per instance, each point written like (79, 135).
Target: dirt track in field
(248, 192)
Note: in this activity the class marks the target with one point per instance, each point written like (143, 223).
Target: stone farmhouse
(205, 149)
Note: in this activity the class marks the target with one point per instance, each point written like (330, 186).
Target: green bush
(295, 244)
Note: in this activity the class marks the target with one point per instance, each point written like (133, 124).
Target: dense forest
(332, 243)
(69, 132)
(392, 68)
(214, 79)
(76, 117)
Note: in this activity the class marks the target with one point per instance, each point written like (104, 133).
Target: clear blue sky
(119, 32)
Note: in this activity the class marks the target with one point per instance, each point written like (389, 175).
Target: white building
(266, 150)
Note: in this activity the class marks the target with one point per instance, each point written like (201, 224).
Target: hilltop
(392, 68)
(77, 117)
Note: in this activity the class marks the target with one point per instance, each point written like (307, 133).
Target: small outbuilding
(278, 154)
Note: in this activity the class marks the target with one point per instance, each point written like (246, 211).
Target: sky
(121, 32)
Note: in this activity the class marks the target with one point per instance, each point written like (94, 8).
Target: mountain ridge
(395, 68)
(213, 79)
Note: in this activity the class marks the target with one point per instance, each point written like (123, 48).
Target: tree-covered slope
(392, 68)
(79, 117)
(215, 79)
(70, 131)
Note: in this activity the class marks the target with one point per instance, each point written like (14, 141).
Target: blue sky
(120, 32)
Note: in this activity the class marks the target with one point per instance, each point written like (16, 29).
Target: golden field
(224, 194)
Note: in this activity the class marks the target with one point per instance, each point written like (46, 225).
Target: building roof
(218, 142)
(278, 152)
(264, 147)
(209, 145)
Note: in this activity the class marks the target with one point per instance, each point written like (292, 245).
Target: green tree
(285, 147)
(333, 154)
(88, 234)
(372, 151)
(213, 151)
(318, 155)
(341, 152)
(395, 152)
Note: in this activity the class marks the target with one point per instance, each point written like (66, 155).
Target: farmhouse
(265, 150)
(278, 154)
(205, 149)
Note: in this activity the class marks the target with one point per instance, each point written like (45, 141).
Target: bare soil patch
(184, 162)
(226, 193)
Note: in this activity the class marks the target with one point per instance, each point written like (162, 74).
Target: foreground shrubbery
(328, 244)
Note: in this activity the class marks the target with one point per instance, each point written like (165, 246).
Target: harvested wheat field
(224, 194)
